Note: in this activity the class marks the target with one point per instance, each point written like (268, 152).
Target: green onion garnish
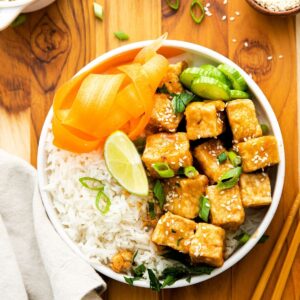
(19, 20)
(91, 183)
(230, 178)
(159, 193)
(139, 270)
(105, 198)
(180, 101)
(154, 282)
(263, 239)
(173, 4)
(243, 238)
(197, 4)
(204, 208)
(163, 170)
(222, 157)
(235, 159)
(130, 280)
(98, 11)
(151, 210)
(190, 172)
(264, 128)
(122, 36)
(170, 279)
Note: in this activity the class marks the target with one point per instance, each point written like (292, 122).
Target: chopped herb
(159, 193)
(222, 157)
(91, 183)
(264, 128)
(139, 270)
(105, 198)
(168, 281)
(98, 11)
(122, 36)
(204, 208)
(130, 280)
(19, 20)
(140, 144)
(174, 4)
(263, 239)
(235, 159)
(180, 101)
(162, 90)
(193, 8)
(178, 241)
(163, 170)
(190, 172)
(243, 238)
(199, 270)
(173, 230)
(189, 278)
(230, 178)
(151, 210)
(154, 282)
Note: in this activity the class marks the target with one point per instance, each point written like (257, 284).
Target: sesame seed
(232, 18)
(225, 2)
(270, 57)
(237, 13)
(234, 40)
(224, 18)
(246, 44)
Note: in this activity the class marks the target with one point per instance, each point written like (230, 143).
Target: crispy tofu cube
(204, 119)
(163, 117)
(258, 153)
(182, 195)
(171, 80)
(242, 119)
(255, 189)
(174, 231)
(226, 209)
(170, 148)
(207, 154)
(207, 245)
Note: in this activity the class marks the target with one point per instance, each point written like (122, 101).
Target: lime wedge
(124, 163)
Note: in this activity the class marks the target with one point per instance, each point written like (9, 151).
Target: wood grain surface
(54, 43)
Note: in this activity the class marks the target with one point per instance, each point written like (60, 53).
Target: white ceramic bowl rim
(261, 98)
(15, 3)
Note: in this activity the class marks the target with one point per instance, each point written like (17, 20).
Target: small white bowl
(265, 113)
(9, 10)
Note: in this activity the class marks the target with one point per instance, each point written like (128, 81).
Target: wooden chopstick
(276, 251)
(289, 259)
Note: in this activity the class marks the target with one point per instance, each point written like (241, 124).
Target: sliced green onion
(264, 128)
(204, 208)
(263, 239)
(173, 4)
(130, 280)
(190, 172)
(235, 159)
(155, 285)
(151, 210)
(170, 279)
(230, 178)
(139, 270)
(122, 36)
(19, 20)
(159, 193)
(105, 198)
(193, 8)
(222, 157)
(243, 238)
(98, 11)
(163, 170)
(91, 183)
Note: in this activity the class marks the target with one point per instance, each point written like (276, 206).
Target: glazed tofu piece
(174, 231)
(207, 156)
(226, 209)
(121, 262)
(163, 117)
(182, 195)
(207, 245)
(170, 148)
(171, 80)
(242, 119)
(204, 119)
(255, 189)
(258, 153)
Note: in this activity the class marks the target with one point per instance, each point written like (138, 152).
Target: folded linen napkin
(35, 262)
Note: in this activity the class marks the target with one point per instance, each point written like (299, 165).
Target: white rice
(100, 237)
(278, 5)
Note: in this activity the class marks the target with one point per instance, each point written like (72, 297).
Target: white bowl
(265, 113)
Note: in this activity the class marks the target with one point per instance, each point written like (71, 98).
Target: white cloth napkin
(35, 262)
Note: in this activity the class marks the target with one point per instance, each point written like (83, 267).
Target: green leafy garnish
(105, 198)
(98, 11)
(122, 36)
(204, 208)
(263, 239)
(139, 270)
(174, 4)
(230, 178)
(159, 193)
(190, 172)
(222, 157)
(235, 159)
(130, 280)
(180, 101)
(168, 281)
(243, 238)
(264, 128)
(151, 210)
(140, 144)
(197, 5)
(163, 170)
(91, 183)
(19, 20)
(154, 282)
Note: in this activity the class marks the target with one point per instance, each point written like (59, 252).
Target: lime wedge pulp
(124, 163)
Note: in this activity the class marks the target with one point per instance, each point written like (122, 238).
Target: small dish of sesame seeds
(276, 7)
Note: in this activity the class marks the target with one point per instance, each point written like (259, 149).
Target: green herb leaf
(91, 183)
(176, 271)
(174, 4)
(204, 208)
(151, 210)
(263, 239)
(188, 279)
(235, 159)
(190, 172)
(105, 198)
(230, 178)
(222, 157)
(197, 5)
(243, 238)
(154, 282)
(139, 270)
(163, 170)
(140, 144)
(168, 281)
(98, 11)
(199, 270)
(159, 193)
(122, 36)
(180, 101)
(264, 128)
(19, 20)
(130, 280)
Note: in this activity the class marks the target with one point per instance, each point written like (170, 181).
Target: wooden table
(55, 42)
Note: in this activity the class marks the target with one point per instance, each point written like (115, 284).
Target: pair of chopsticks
(289, 259)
